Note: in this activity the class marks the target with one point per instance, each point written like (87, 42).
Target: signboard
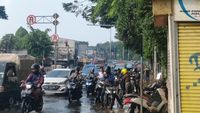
(54, 38)
(31, 19)
(187, 10)
(161, 7)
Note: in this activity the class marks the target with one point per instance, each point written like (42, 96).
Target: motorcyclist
(126, 78)
(101, 73)
(118, 85)
(91, 75)
(137, 80)
(77, 78)
(42, 70)
(100, 77)
(108, 81)
(37, 79)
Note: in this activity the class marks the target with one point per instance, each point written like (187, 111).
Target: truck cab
(9, 84)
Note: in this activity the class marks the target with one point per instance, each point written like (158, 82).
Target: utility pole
(55, 23)
(155, 63)
(31, 19)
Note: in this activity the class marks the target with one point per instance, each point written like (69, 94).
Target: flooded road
(60, 104)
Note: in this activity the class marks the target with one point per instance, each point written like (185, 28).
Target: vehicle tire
(70, 97)
(26, 106)
(88, 94)
(164, 109)
(11, 102)
(98, 96)
(132, 108)
(111, 101)
(39, 106)
(105, 100)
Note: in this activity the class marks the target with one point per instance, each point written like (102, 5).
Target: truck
(13, 69)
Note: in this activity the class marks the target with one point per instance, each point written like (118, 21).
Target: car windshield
(87, 69)
(58, 73)
(119, 66)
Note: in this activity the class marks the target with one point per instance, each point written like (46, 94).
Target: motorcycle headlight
(28, 86)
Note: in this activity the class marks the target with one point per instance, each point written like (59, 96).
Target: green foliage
(38, 42)
(3, 14)
(103, 49)
(8, 42)
(21, 38)
(133, 20)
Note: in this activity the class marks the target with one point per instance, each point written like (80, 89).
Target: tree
(133, 20)
(21, 38)
(39, 43)
(8, 43)
(3, 14)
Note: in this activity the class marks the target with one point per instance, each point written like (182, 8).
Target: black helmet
(108, 70)
(36, 67)
(77, 68)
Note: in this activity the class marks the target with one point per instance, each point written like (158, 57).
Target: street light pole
(110, 43)
(110, 27)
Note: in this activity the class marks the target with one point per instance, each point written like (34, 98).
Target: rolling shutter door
(189, 66)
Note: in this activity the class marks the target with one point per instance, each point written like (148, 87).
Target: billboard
(187, 10)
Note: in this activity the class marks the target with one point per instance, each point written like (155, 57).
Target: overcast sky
(70, 26)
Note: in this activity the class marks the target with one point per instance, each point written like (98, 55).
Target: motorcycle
(74, 91)
(109, 96)
(154, 100)
(98, 89)
(90, 86)
(30, 101)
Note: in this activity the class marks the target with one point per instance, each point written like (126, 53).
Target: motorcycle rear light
(1, 88)
(127, 100)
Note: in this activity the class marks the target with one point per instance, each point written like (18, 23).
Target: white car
(55, 81)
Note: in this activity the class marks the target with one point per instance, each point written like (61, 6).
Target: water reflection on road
(60, 104)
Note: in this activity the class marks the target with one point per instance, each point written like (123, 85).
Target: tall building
(82, 48)
(66, 48)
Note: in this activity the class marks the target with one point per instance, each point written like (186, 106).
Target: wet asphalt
(60, 104)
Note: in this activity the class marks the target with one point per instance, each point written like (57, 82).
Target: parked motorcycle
(30, 101)
(74, 91)
(154, 100)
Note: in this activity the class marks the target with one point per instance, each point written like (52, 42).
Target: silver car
(55, 81)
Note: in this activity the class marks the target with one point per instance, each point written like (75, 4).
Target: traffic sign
(31, 19)
(55, 22)
(54, 38)
(55, 15)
